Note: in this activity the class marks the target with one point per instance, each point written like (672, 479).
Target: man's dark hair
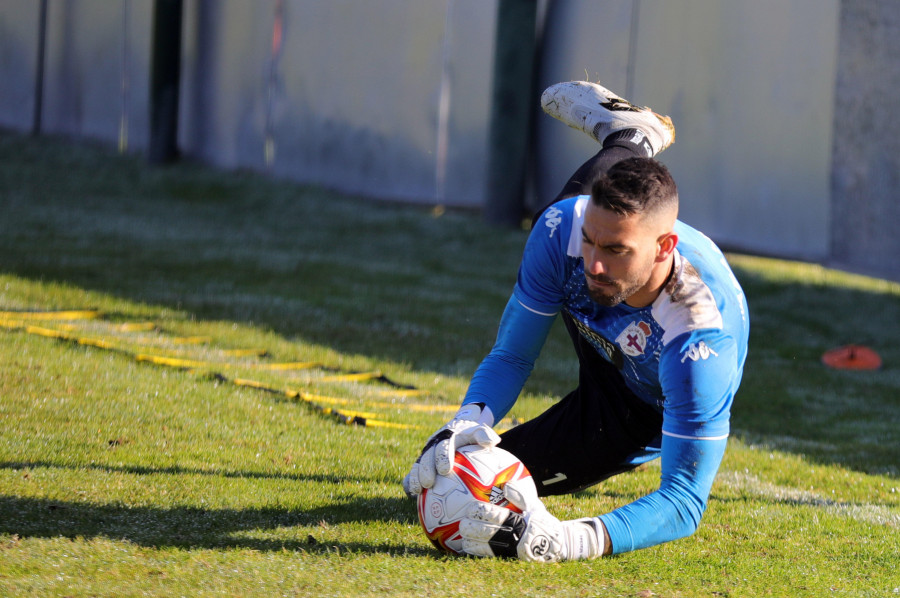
(635, 186)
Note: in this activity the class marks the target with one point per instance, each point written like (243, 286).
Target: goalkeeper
(659, 324)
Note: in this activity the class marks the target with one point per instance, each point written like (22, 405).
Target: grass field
(186, 432)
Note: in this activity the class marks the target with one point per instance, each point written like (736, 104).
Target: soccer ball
(478, 473)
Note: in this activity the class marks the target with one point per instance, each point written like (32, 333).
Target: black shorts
(589, 435)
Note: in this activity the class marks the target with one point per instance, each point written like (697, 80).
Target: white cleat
(595, 110)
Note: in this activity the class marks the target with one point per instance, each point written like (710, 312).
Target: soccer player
(659, 325)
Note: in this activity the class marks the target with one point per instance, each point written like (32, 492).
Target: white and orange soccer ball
(478, 473)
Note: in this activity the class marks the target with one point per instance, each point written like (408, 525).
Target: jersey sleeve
(501, 375)
(689, 466)
(699, 373)
(540, 284)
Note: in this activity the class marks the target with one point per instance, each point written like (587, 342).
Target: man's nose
(593, 264)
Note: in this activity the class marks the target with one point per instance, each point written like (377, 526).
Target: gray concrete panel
(349, 97)
(866, 167)
(468, 57)
(97, 69)
(18, 62)
(225, 68)
(753, 153)
(361, 91)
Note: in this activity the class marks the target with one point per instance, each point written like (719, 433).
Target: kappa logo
(633, 339)
(552, 219)
(698, 351)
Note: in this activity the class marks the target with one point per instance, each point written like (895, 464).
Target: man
(659, 325)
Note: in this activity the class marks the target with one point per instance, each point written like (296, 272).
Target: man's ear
(665, 245)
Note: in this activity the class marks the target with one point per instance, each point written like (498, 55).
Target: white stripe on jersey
(722, 437)
(573, 249)
(534, 311)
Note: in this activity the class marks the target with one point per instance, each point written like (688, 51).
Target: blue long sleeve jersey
(684, 354)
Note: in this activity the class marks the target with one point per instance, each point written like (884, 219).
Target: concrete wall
(18, 62)
(783, 108)
(96, 68)
(351, 98)
(866, 167)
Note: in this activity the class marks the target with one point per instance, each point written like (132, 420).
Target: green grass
(120, 477)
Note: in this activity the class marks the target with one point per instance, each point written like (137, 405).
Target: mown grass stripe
(67, 314)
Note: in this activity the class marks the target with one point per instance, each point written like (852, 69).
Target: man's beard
(613, 295)
(618, 290)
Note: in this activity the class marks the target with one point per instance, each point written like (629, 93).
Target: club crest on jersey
(552, 219)
(633, 339)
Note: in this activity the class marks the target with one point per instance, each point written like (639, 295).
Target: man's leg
(623, 129)
(614, 150)
(581, 180)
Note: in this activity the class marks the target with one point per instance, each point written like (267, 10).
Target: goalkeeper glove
(470, 425)
(534, 535)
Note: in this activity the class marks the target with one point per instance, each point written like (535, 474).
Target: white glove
(471, 425)
(536, 535)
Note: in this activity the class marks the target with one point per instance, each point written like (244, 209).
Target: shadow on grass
(175, 470)
(193, 528)
(189, 527)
